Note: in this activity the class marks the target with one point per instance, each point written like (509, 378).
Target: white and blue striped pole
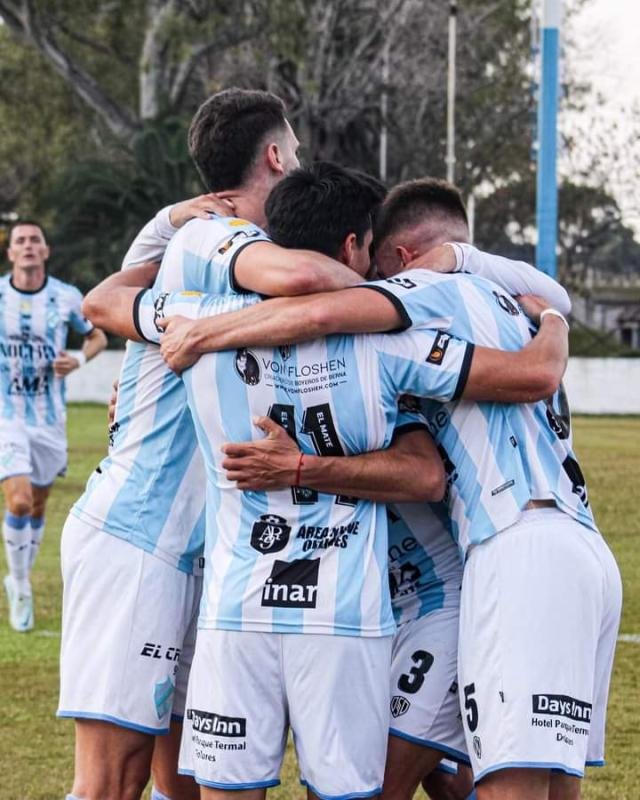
(547, 185)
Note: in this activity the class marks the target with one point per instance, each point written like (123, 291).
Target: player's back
(498, 456)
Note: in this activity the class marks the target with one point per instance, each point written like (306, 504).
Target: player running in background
(36, 312)
(534, 694)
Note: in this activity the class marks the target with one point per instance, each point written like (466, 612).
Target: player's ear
(347, 249)
(273, 158)
(404, 254)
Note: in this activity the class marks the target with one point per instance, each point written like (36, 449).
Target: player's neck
(28, 280)
(249, 202)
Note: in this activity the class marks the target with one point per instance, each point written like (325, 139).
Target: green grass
(36, 749)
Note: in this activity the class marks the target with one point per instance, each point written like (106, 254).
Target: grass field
(36, 750)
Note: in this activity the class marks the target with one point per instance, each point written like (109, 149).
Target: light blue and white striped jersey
(33, 331)
(425, 568)
(497, 456)
(298, 560)
(150, 490)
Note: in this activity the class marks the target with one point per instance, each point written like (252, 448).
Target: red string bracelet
(298, 470)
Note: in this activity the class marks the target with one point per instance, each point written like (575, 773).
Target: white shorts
(40, 453)
(425, 708)
(538, 625)
(247, 687)
(125, 615)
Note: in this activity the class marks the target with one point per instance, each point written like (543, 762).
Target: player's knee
(19, 503)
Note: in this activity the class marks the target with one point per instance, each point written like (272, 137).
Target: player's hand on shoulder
(176, 343)
(64, 364)
(202, 207)
(438, 259)
(532, 305)
(265, 465)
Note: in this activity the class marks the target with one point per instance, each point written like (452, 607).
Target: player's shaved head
(422, 214)
(26, 223)
(227, 132)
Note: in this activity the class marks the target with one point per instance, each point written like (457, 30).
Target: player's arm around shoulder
(410, 470)
(527, 375)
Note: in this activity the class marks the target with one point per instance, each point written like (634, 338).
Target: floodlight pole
(451, 93)
(547, 182)
(384, 110)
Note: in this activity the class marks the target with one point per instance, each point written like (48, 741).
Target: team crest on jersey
(399, 705)
(436, 354)
(409, 402)
(270, 533)
(404, 579)
(247, 366)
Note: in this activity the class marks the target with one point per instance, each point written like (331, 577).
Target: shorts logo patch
(292, 584)
(215, 724)
(506, 304)
(270, 533)
(561, 705)
(399, 705)
(477, 747)
(163, 697)
(436, 355)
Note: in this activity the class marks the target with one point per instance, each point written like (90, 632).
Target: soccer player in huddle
(36, 312)
(258, 603)
(533, 694)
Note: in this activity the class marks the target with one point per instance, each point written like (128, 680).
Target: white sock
(17, 544)
(37, 532)
(157, 795)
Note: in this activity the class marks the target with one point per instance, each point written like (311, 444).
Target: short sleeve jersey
(298, 560)
(150, 489)
(498, 456)
(33, 331)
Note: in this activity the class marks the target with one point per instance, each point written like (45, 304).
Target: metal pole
(547, 183)
(451, 93)
(384, 108)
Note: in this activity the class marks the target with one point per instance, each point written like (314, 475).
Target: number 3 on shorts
(413, 681)
(471, 707)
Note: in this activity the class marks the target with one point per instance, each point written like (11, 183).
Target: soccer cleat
(20, 607)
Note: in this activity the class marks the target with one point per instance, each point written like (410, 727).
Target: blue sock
(156, 795)
(472, 796)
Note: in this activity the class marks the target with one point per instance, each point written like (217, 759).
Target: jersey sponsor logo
(317, 537)
(270, 533)
(506, 304)
(224, 248)
(503, 487)
(404, 579)
(578, 484)
(31, 383)
(436, 354)
(35, 350)
(409, 403)
(292, 584)
(247, 367)
(399, 705)
(216, 724)
(561, 705)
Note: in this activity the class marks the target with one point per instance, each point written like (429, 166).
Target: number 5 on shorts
(471, 707)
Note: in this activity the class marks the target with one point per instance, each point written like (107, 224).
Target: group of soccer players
(364, 493)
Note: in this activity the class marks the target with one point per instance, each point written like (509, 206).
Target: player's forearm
(516, 277)
(525, 376)
(109, 305)
(382, 476)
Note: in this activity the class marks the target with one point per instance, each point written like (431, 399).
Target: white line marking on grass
(634, 638)
(48, 634)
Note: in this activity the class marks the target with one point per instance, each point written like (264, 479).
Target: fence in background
(594, 385)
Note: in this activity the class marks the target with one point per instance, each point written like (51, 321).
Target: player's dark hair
(317, 207)
(410, 203)
(227, 131)
(18, 223)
